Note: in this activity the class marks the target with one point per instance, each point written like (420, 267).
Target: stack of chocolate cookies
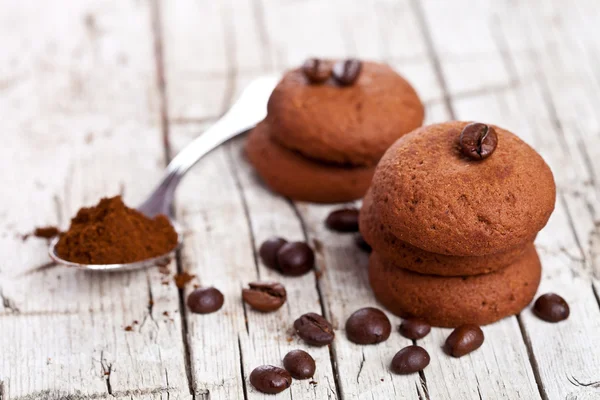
(328, 124)
(451, 216)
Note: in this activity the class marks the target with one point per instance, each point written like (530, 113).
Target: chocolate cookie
(349, 125)
(427, 193)
(403, 255)
(297, 177)
(453, 301)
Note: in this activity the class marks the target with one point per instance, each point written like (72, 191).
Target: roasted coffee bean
(463, 340)
(205, 300)
(343, 220)
(316, 70)
(361, 242)
(264, 296)
(269, 379)
(551, 307)
(368, 326)
(409, 360)
(346, 72)
(295, 258)
(314, 329)
(414, 328)
(478, 141)
(299, 364)
(268, 251)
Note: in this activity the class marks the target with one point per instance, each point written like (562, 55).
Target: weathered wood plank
(79, 103)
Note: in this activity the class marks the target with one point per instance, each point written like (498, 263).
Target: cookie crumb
(128, 328)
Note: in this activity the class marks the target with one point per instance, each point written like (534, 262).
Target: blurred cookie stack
(451, 216)
(328, 124)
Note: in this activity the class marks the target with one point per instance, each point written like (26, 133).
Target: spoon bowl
(150, 262)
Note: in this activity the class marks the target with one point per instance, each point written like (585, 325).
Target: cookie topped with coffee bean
(328, 123)
(428, 193)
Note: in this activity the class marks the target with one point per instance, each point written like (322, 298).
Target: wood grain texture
(97, 94)
(80, 119)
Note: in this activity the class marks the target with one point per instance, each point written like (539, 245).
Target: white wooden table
(95, 96)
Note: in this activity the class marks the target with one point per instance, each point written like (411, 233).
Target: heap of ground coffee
(112, 233)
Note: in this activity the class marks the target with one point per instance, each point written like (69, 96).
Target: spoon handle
(161, 199)
(249, 110)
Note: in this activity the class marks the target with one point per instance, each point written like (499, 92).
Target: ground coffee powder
(112, 233)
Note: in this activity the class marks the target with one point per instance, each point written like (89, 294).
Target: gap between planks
(161, 82)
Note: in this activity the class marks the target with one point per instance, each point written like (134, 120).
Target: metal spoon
(246, 112)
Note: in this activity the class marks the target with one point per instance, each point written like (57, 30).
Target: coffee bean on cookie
(414, 328)
(269, 379)
(314, 329)
(264, 296)
(551, 307)
(409, 360)
(343, 220)
(299, 364)
(368, 326)
(205, 300)
(478, 141)
(463, 340)
(346, 72)
(295, 259)
(268, 251)
(316, 70)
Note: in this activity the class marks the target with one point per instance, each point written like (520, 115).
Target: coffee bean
(551, 307)
(269, 379)
(268, 251)
(346, 72)
(409, 360)
(205, 300)
(314, 329)
(264, 296)
(478, 141)
(463, 340)
(299, 364)
(360, 242)
(414, 328)
(368, 326)
(295, 259)
(343, 220)
(316, 70)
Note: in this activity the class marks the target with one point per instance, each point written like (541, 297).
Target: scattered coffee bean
(268, 251)
(414, 328)
(409, 360)
(269, 379)
(295, 259)
(205, 300)
(360, 242)
(463, 340)
(314, 329)
(316, 70)
(343, 220)
(264, 296)
(551, 307)
(346, 72)
(368, 326)
(299, 364)
(478, 141)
